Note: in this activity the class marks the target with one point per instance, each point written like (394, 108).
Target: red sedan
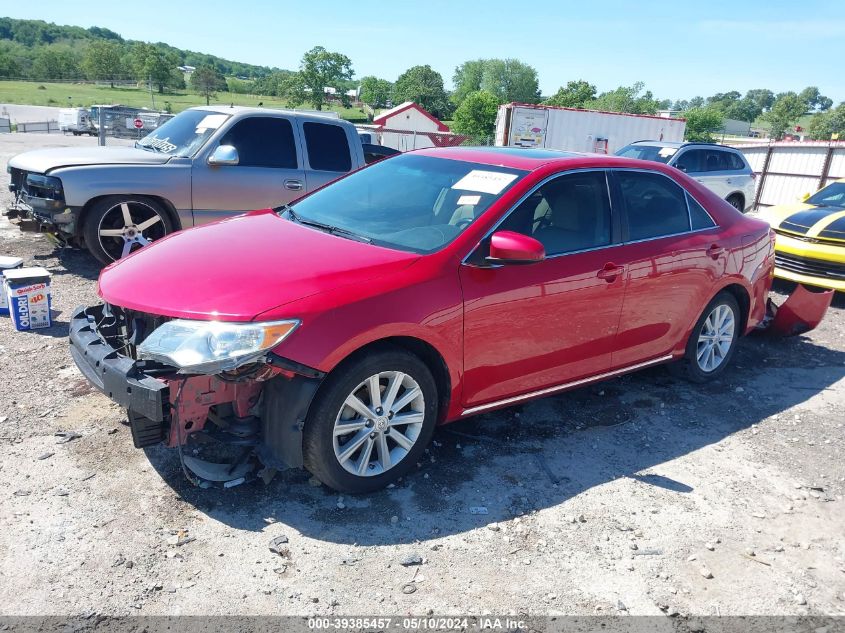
(335, 333)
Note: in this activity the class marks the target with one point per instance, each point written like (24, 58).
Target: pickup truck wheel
(371, 422)
(118, 225)
(713, 341)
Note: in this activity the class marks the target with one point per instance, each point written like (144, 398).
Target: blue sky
(679, 49)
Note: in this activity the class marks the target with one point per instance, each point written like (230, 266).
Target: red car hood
(236, 269)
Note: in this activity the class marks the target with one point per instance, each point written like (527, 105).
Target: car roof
(246, 111)
(679, 144)
(513, 157)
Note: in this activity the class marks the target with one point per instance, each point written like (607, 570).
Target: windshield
(648, 152)
(184, 134)
(832, 195)
(409, 202)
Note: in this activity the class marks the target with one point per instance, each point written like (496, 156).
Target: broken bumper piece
(802, 311)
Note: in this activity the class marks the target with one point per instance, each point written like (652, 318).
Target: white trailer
(551, 127)
(76, 120)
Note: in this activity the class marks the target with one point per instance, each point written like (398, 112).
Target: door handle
(715, 250)
(293, 185)
(610, 272)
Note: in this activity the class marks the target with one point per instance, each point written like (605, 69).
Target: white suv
(721, 169)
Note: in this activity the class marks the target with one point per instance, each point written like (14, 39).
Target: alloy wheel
(716, 338)
(379, 423)
(128, 225)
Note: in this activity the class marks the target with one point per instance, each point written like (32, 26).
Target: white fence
(787, 170)
(47, 127)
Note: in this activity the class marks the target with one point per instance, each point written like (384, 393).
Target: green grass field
(82, 95)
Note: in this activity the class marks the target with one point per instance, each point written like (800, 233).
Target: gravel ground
(642, 495)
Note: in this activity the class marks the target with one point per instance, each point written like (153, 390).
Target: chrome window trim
(530, 193)
(606, 171)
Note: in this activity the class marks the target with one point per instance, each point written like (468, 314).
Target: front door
(269, 172)
(533, 327)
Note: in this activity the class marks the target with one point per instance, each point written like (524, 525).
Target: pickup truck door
(329, 151)
(269, 172)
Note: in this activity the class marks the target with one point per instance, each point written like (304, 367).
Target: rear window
(328, 149)
(657, 153)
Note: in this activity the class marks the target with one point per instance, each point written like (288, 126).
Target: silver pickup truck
(202, 165)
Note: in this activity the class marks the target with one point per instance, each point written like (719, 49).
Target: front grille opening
(809, 266)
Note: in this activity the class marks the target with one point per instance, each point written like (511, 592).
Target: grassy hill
(86, 94)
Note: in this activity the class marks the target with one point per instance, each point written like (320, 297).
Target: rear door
(672, 256)
(328, 153)
(269, 172)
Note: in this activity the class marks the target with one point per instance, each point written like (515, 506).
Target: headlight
(48, 187)
(209, 347)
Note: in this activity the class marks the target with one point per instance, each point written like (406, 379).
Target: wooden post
(826, 166)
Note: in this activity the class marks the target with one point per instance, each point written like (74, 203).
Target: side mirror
(224, 155)
(509, 247)
(805, 197)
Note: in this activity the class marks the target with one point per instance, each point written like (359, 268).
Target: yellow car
(810, 246)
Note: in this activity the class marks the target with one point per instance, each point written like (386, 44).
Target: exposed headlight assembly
(209, 347)
(48, 187)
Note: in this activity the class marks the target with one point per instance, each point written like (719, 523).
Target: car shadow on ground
(504, 464)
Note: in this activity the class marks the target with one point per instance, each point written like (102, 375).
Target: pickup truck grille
(16, 182)
(808, 266)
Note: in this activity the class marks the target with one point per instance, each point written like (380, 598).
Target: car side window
(263, 142)
(328, 148)
(699, 218)
(654, 204)
(570, 213)
(716, 160)
(690, 161)
(735, 162)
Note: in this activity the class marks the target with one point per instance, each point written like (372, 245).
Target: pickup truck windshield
(409, 202)
(184, 134)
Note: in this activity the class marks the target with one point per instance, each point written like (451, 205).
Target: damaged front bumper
(260, 411)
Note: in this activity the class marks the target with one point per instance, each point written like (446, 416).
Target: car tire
(110, 234)
(357, 450)
(736, 202)
(710, 346)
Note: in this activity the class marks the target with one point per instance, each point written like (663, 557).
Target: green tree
(476, 116)
(814, 99)
(152, 63)
(629, 99)
(424, 86)
(785, 112)
(511, 80)
(702, 123)
(318, 70)
(695, 102)
(56, 62)
(467, 79)
(575, 94)
(103, 60)
(375, 93)
(762, 97)
(825, 124)
(207, 80)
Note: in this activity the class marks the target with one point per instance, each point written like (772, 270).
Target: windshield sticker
(470, 200)
(667, 151)
(484, 181)
(160, 144)
(211, 121)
